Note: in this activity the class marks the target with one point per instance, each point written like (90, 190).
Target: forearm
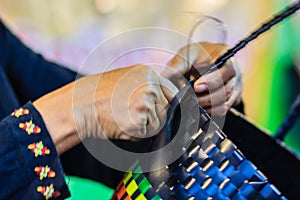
(56, 111)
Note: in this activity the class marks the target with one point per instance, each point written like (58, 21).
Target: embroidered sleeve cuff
(34, 168)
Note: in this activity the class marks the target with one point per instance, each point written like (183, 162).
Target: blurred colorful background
(65, 31)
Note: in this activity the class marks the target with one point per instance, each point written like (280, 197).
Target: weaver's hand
(217, 91)
(126, 103)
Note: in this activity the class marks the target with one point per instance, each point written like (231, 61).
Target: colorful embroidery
(44, 172)
(48, 191)
(30, 127)
(39, 149)
(20, 112)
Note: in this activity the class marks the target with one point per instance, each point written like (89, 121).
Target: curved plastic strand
(222, 27)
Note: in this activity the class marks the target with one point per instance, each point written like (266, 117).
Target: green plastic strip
(86, 189)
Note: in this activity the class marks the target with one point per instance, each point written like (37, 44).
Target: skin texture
(217, 91)
(131, 103)
(127, 103)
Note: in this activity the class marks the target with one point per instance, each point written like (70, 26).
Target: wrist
(56, 111)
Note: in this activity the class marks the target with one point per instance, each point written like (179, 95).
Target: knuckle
(145, 101)
(232, 71)
(150, 72)
(214, 81)
(141, 121)
(143, 107)
(204, 101)
(154, 125)
(151, 93)
(146, 70)
(207, 101)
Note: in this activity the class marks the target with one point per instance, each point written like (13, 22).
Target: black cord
(289, 121)
(266, 26)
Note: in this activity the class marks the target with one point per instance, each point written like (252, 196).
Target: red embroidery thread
(38, 149)
(30, 127)
(44, 172)
(20, 112)
(48, 191)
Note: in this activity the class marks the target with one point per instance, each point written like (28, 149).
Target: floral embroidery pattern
(44, 172)
(30, 127)
(20, 112)
(38, 149)
(48, 191)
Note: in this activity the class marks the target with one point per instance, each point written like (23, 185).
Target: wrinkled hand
(126, 103)
(217, 91)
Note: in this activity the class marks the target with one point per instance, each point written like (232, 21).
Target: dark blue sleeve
(29, 166)
(30, 75)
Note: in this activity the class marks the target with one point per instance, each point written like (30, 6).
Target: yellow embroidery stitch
(20, 112)
(48, 191)
(44, 172)
(38, 149)
(30, 127)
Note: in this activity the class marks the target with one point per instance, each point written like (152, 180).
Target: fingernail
(201, 88)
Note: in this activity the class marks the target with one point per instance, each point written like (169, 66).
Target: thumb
(186, 57)
(176, 67)
(168, 88)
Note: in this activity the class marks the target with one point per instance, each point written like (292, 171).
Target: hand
(126, 103)
(217, 91)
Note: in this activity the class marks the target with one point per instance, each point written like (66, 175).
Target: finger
(153, 122)
(153, 126)
(215, 79)
(144, 115)
(217, 97)
(214, 50)
(175, 67)
(154, 98)
(161, 107)
(235, 98)
(184, 59)
(138, 116)
(168, 89)
(237, 83)
(124, 136)
(142, 120)
(199, 68)
(210, 52)
(217, 110)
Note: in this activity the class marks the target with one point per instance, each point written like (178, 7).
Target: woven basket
(210, 166)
